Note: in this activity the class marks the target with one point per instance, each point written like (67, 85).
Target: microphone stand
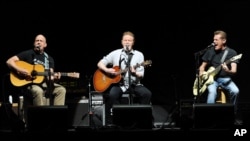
(129, 78)
(49, 89)
(90, 112)
(49, 85)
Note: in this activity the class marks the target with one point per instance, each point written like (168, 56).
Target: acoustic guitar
(103, 80)
(36, 74)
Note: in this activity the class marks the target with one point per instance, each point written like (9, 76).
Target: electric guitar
(103, 80)
(36, 74)
(208, 76)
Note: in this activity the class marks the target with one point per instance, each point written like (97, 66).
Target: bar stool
(221, 96)
(128, 98)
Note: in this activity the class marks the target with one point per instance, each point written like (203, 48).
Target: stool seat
(129, 98)
(221, 96)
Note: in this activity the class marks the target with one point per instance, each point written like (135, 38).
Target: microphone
(211, 45)
(38, 47)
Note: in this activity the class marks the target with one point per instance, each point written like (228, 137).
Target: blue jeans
(227, 84)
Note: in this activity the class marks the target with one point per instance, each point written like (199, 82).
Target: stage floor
(112, 132)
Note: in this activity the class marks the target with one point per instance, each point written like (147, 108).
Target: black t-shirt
(32, 57)
(213, 58)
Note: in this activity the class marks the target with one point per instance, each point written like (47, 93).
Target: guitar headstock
(236, 57)
(147, 63)
(74, 74)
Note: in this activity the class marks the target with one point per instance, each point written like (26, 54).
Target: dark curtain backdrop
(169, 34)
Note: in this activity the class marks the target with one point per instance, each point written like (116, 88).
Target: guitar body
(206, 79)
(209, 80)
(18, 80)
(102, 80)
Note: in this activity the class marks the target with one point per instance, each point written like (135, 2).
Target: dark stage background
(169, 34)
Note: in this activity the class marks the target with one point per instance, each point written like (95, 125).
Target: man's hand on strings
(111, 71)
(224, 67)
(204, 76)
(57, 75)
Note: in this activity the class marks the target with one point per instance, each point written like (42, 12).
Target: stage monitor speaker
(47, 118)
(186, 114)
(213, 116)
(78, 113)
(246, 118)
(133, 116)
(161, 118)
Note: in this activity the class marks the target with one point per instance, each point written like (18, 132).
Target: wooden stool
(221, 97)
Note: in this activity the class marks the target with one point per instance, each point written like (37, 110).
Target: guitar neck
(218, 68)
(50, 73)
(64, 73)
(126, 69)
(145, 63)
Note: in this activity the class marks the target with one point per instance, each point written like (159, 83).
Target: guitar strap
(120, 60)
(224, 56)
(130, 55)
(46, 58)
